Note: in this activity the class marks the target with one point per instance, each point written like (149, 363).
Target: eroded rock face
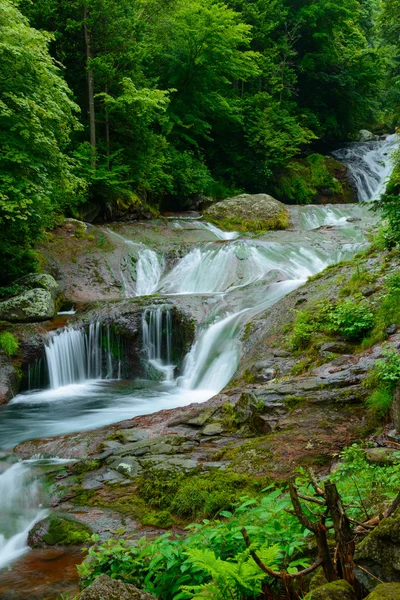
(8, 379)
(379, 553)
(249, 213)
(337, 590)
(105, 588)
(30, 306)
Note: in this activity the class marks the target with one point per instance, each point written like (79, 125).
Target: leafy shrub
(351, 319)
(8, 344)
(384, 376)
(380, 401)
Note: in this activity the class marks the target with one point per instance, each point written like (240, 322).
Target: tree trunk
(344, 536)
(107, 131)
(90, 77)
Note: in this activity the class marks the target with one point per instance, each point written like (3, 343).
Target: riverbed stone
(336, 590)
(385, 591)
(58, 530)
(169, 463)
(30, 306)
(366, 136)
(128, 465)
(249, 212)
(133, 435)
(105, 588)
(213, 429)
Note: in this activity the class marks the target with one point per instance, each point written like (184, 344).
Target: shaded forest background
(121, 105)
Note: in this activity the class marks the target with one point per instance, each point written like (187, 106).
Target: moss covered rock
(30, 306)
(337, 590)
(105, 588)
(42, 281)
(379, 553)
(385, 591)
(58, 530)
(257, 212)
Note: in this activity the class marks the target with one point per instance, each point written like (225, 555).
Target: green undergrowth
(212, 554)
(164, 499)
(383, 380)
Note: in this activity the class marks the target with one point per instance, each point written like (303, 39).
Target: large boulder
(385, 591)
(366, 136)
(105, 588)
(58, 530)
(257, 212)
(379, 554)
(40, 281)
(337, 590)
(30, 306)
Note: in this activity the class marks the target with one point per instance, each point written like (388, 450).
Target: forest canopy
(127, 104)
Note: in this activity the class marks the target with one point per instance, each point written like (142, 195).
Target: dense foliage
(176, 99)
(211, 559)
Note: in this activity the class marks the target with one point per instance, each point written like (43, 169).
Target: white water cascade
(157, 340)
(369, 165)
(20, 509)
(76, 355)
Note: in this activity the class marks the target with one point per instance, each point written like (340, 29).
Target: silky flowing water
(239, 275)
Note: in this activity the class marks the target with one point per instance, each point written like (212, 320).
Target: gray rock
(30, 306)
(366, 136)
(133, 435)
(335, 347)
(249, 212)
(169, 463)
(128, 465)
(213, 429)
(391, 329)
(105, 588)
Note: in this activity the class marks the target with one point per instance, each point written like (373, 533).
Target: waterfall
(20, 508)
(369, 165)
(157, 340)
(75, 355)
(149, 269)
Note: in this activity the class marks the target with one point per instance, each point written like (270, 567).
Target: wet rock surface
(337, 590)
(249, 213)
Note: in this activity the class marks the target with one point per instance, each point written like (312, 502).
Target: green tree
(36, 119)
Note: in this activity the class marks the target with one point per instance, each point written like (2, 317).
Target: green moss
(8, 343)
(84, 466)
(236, 223)
(293, 401)
(248, 376)
(248, 330)
(64, 531)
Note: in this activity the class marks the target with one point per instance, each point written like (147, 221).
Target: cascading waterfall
(157, 340)
(20, 508)
(369, 165)
(76, 355)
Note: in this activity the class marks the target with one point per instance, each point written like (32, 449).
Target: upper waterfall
(369, 165)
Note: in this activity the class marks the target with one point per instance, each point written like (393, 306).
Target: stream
(236, 275)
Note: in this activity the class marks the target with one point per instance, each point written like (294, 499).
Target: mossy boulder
(42, 281)
(30, 306)
(105, 588)
(337, 590)
(385, 591)
(379, 554)
(257, 212)
(58, 530)
(9, 379)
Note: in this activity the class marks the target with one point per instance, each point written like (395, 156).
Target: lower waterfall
(76, 355)
(157, 341)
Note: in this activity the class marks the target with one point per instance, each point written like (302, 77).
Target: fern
(230, 579)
